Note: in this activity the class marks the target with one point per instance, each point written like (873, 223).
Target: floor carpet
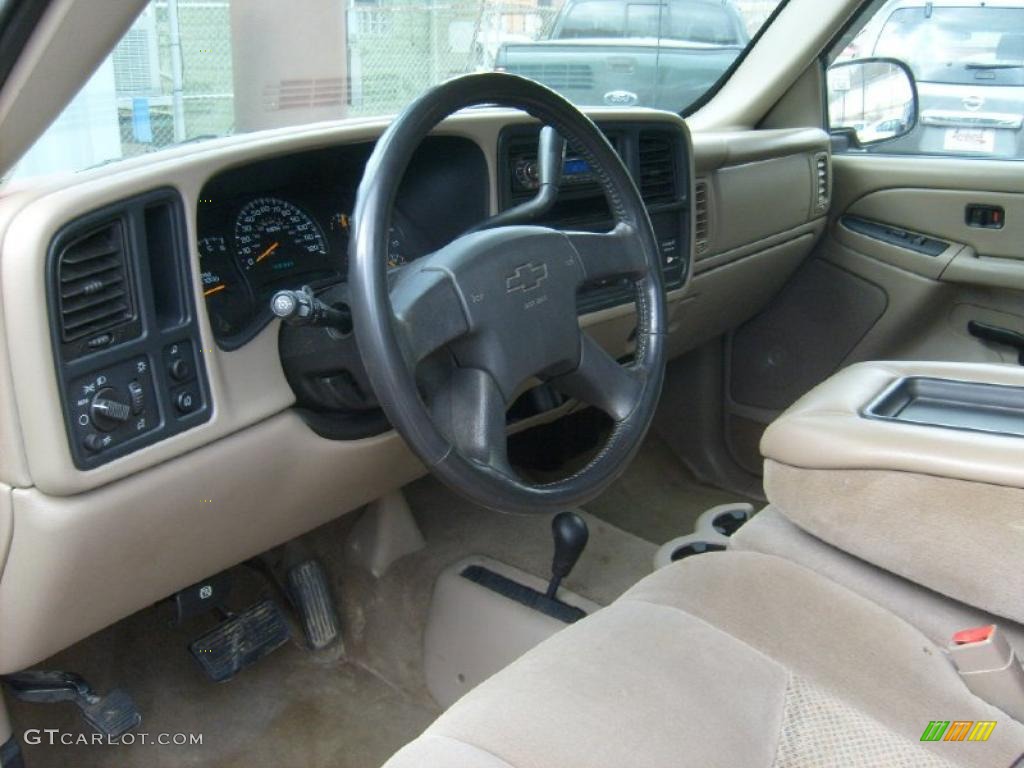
(657, 498)
(297, 708)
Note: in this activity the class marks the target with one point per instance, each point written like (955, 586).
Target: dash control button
(186, 401)
(93, 442)
(180, 370)
(138, 397)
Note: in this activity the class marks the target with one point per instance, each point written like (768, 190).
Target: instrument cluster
(284, 222)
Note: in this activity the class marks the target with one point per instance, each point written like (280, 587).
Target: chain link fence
(396, 52)
(173, 75)
(173, 69)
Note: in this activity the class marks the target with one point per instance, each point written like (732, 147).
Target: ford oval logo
(974, 102)
(621, 98)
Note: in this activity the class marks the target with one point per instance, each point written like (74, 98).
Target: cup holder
(711, 534)
(694, 548)
(730, 521)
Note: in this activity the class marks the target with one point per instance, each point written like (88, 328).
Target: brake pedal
(113, 714)
(241, 640)
(311, 595)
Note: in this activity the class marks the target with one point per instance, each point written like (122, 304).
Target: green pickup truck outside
(664, 55)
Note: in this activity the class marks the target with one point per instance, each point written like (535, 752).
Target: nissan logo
(620, 98)
(974, 102)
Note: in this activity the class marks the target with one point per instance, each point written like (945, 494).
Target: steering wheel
(498, 307)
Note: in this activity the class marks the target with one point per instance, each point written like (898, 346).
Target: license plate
(970, 140)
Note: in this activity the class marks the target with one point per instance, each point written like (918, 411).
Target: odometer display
(276, 240)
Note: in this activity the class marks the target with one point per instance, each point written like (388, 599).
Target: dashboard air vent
(823, 181)
(702, 226)
(657, 168)
(92, 278)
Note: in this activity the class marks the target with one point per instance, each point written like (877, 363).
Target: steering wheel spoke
(607, 255)
(470, 410)
(602, 382)
(428, 313)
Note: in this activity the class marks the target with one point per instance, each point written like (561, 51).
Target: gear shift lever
(571, 534)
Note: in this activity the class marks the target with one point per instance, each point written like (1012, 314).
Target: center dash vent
(823, 181)
(92, 278)
(657, 180)
(702, 224)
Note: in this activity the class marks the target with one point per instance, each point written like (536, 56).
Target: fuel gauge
(228, 300)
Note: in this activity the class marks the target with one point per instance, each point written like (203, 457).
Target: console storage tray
(974, 406)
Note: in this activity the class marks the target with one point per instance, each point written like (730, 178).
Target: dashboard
(225, 466)
(284, 223)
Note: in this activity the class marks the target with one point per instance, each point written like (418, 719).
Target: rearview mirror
(872, 100)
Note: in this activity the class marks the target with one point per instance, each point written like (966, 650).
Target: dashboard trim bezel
(248, 385)
(150, 341)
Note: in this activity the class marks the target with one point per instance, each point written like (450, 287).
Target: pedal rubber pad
(241, 640)
(112, 715)
(311, 594)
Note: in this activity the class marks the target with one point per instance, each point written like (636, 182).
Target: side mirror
(872, 100)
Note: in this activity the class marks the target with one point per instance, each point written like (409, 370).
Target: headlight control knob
(109, 409)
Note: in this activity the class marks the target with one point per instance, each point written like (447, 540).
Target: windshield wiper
(979, 65)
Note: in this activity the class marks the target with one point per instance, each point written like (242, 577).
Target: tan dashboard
(80, 549)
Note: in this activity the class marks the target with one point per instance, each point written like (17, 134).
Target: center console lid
(915, 467)
(955, 420)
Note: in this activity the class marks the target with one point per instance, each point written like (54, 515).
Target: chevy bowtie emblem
(526, 277)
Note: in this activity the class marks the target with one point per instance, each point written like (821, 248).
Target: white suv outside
(968, 59)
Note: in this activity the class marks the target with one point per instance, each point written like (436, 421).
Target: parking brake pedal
(112, 715)
(311, 595)
(240, 640)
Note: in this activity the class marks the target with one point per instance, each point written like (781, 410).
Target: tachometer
(273, 236)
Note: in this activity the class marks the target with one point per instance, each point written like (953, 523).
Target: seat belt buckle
(989, 667)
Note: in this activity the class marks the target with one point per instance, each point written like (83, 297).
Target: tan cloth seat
(936, 615)
(733, 659)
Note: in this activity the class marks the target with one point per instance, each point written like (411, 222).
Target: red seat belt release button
(974, 635)
(989, 667)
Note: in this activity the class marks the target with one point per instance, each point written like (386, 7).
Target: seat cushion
(935, 614)
(727, 659)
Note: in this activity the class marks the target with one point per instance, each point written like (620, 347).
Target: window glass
(643, 20)
(594, 18)
(961, 46)
(704, 24)
(195, 70)
(968, 62)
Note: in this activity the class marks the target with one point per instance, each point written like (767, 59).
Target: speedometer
(274, 237)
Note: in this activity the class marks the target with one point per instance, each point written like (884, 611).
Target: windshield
(957, 45)
(192, 70)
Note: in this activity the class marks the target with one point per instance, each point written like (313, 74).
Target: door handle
(985, 216)
(998, 335)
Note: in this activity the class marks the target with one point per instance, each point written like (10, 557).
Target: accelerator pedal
(311, 595)
(241, 640)
(113, 714)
